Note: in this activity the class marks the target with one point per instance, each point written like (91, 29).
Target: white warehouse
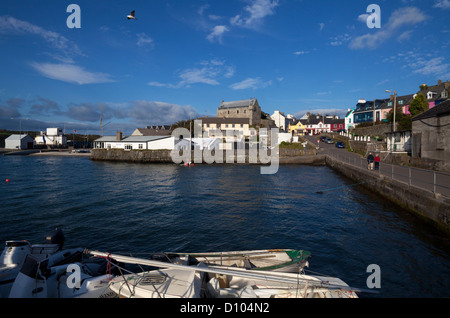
(135, 142)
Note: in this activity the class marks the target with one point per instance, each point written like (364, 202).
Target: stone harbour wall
(286, 156)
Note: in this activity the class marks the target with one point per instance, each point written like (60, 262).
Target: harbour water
(143, 208)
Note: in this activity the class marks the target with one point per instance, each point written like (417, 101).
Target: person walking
(370, 159)
(377, 162)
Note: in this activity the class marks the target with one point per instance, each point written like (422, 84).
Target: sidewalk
(436, 182)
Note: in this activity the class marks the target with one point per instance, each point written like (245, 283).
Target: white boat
(165, 283)
(277, 260)
(15, 253)
(182, 281)
(49, 278)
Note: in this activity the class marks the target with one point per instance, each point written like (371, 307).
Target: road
(433, 181)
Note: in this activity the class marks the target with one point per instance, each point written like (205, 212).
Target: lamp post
(395, 107)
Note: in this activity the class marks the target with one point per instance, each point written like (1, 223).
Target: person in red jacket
(377, 162)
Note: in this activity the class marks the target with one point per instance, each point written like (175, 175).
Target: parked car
(323, 138)
(329, 141)
(340, 144)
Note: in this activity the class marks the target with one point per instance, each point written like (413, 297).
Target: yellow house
(297, 128)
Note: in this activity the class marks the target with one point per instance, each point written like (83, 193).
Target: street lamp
(395, 107)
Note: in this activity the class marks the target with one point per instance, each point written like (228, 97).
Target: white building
(280, 120)
(19, 142)
(135, 142)
(349, 122)
(52, 137)
(399, 141)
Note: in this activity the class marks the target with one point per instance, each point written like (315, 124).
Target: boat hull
(277, 260)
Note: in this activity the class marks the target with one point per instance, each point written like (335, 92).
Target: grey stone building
(431, 135)
(241, 109)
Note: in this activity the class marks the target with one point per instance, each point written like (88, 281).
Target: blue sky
(180, 59)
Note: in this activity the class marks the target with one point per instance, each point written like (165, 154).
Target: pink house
(434, 94)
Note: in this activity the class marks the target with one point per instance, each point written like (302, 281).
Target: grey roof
(143, 138)
(217, 120)
(130, 138)
(155, 130)
(436, 89)
(238, 104)
(18, 137)
(439, 110)
(106, 139)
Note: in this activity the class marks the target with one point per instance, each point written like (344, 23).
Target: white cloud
(217, 33)
(299, 52)
(435, 66)
(443, 4)
(152, 112)
(70, 73)
(214, 17)
(341, 112)
(321, 26)
(340, 39)
(256, 11)
(12, 25)
(251, 83)
(144, 39)
(424, 64)
(208, 73)
(202, 9)
(363, 18)
(405, 36)
(402, 17)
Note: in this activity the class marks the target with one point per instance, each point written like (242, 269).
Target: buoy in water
(7, 180)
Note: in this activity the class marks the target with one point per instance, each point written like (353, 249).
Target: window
(232, 125)
(141, 146)
(207, 125)
(242, 125)
(390, 104)
(400, 102)
(226, 126)
(128, 147)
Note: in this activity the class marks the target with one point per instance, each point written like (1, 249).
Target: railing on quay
(436, 182)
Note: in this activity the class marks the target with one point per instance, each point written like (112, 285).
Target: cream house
(214, 126)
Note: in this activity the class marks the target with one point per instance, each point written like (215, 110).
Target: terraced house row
(378, 109)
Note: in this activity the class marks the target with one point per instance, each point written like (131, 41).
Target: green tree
(418, 105)
(404, 121)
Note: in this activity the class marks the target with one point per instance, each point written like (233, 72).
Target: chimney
(119, 136)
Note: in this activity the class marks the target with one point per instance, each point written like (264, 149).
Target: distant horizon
(67, 66)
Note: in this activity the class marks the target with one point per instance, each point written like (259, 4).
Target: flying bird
(131, 16)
